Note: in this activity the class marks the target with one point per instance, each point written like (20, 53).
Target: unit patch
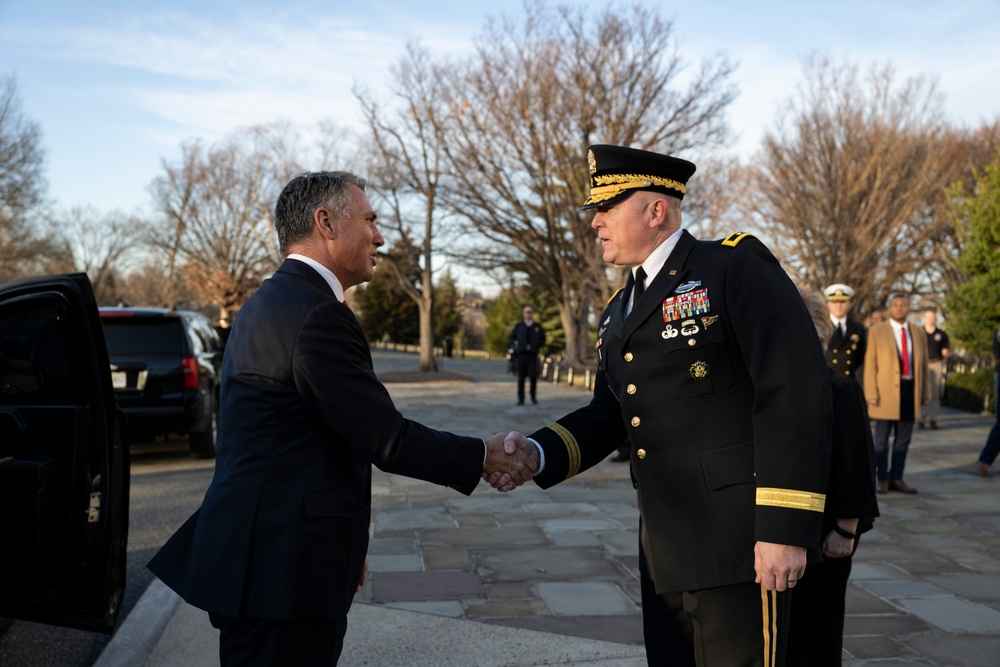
(683, 306)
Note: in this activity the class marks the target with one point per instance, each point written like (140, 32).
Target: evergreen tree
(387, 312)
(447, 319)
(974, 305)
(506, 311)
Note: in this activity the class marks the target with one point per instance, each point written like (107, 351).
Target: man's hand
(510, 461)
(778, 566)
(363, 578)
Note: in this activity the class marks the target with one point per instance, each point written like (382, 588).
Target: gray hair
(293, 213)
(819, 313)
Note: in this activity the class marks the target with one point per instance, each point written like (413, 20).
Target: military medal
(688, 304)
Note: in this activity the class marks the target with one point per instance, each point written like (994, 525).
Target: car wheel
(203, 442)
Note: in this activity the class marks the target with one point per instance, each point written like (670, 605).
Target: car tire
(202, 443)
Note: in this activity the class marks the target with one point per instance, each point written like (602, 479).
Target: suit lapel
(666, 281)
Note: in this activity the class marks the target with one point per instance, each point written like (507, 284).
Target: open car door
(64, 477)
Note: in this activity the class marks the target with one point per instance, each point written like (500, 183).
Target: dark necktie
(640, 285)
(840, 329)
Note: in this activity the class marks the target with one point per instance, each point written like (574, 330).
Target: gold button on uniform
(692, 342)
(630, 389)
(628, 356)
(641, 453)
(636, 421)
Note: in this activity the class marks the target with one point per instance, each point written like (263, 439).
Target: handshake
(511, 460)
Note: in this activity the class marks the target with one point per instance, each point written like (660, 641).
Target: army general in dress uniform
(845, 351)
(709, 366)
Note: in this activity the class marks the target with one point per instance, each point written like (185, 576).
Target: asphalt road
(167, 486)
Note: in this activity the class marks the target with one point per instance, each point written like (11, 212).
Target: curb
(138, 634)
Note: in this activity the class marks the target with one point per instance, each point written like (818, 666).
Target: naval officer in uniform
(710, 368)
(845, 351)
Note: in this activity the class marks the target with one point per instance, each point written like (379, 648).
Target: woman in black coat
(817, 626)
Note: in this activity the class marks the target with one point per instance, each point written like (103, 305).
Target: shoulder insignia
(735, 238)
(615, 295)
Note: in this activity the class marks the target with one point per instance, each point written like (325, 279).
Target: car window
(196, 336)
(34, 355)
(143, 335)
(206, 332)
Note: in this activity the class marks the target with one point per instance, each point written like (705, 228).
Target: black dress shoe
(901, 486)
(534, 400)
(520, 402)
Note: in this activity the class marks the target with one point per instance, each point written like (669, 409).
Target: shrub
(969, 391)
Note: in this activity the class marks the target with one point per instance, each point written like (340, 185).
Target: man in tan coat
(897, 384)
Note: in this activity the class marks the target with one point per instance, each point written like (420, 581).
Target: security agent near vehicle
(165, 367)
(64, 475)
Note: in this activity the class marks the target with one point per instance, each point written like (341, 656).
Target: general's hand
(778, 566)
(510, 461)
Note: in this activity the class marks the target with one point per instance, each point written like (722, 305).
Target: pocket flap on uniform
(728, 465)
(332, 504)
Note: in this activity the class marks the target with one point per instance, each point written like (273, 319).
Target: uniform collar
(658, 257)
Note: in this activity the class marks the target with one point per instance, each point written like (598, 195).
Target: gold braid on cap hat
(612, 185)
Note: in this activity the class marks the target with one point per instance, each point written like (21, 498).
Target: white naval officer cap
(838, 292)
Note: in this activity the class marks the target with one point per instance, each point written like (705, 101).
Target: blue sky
(118, 85)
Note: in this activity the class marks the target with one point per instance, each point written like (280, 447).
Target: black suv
(165, 367)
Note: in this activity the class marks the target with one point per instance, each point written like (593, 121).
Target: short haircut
(898, 295)
(819, 313)
(293, 213)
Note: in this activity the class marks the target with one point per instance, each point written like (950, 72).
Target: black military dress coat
(717, 380)
(845, 353)
(282, 533)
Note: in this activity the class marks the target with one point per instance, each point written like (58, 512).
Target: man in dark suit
(277, 550)
(845, 351)
(709, 366)
(524, 344)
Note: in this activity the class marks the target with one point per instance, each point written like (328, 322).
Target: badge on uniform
(699, 370)
(686, 305)
(687, 287)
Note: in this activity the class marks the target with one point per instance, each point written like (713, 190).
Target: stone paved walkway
(925, 588)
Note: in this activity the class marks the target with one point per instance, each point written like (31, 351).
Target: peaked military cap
(616, 172)
(838, 292)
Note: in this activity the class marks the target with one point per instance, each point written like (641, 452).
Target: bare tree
(408, 166)
(217, 234)
(851, 184)
(105, 247)
(524, 110)
(23, 251)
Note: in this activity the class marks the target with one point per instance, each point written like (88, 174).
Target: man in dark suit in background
(845, 351)
(277, 550)
(524, 344)
(709, 366)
